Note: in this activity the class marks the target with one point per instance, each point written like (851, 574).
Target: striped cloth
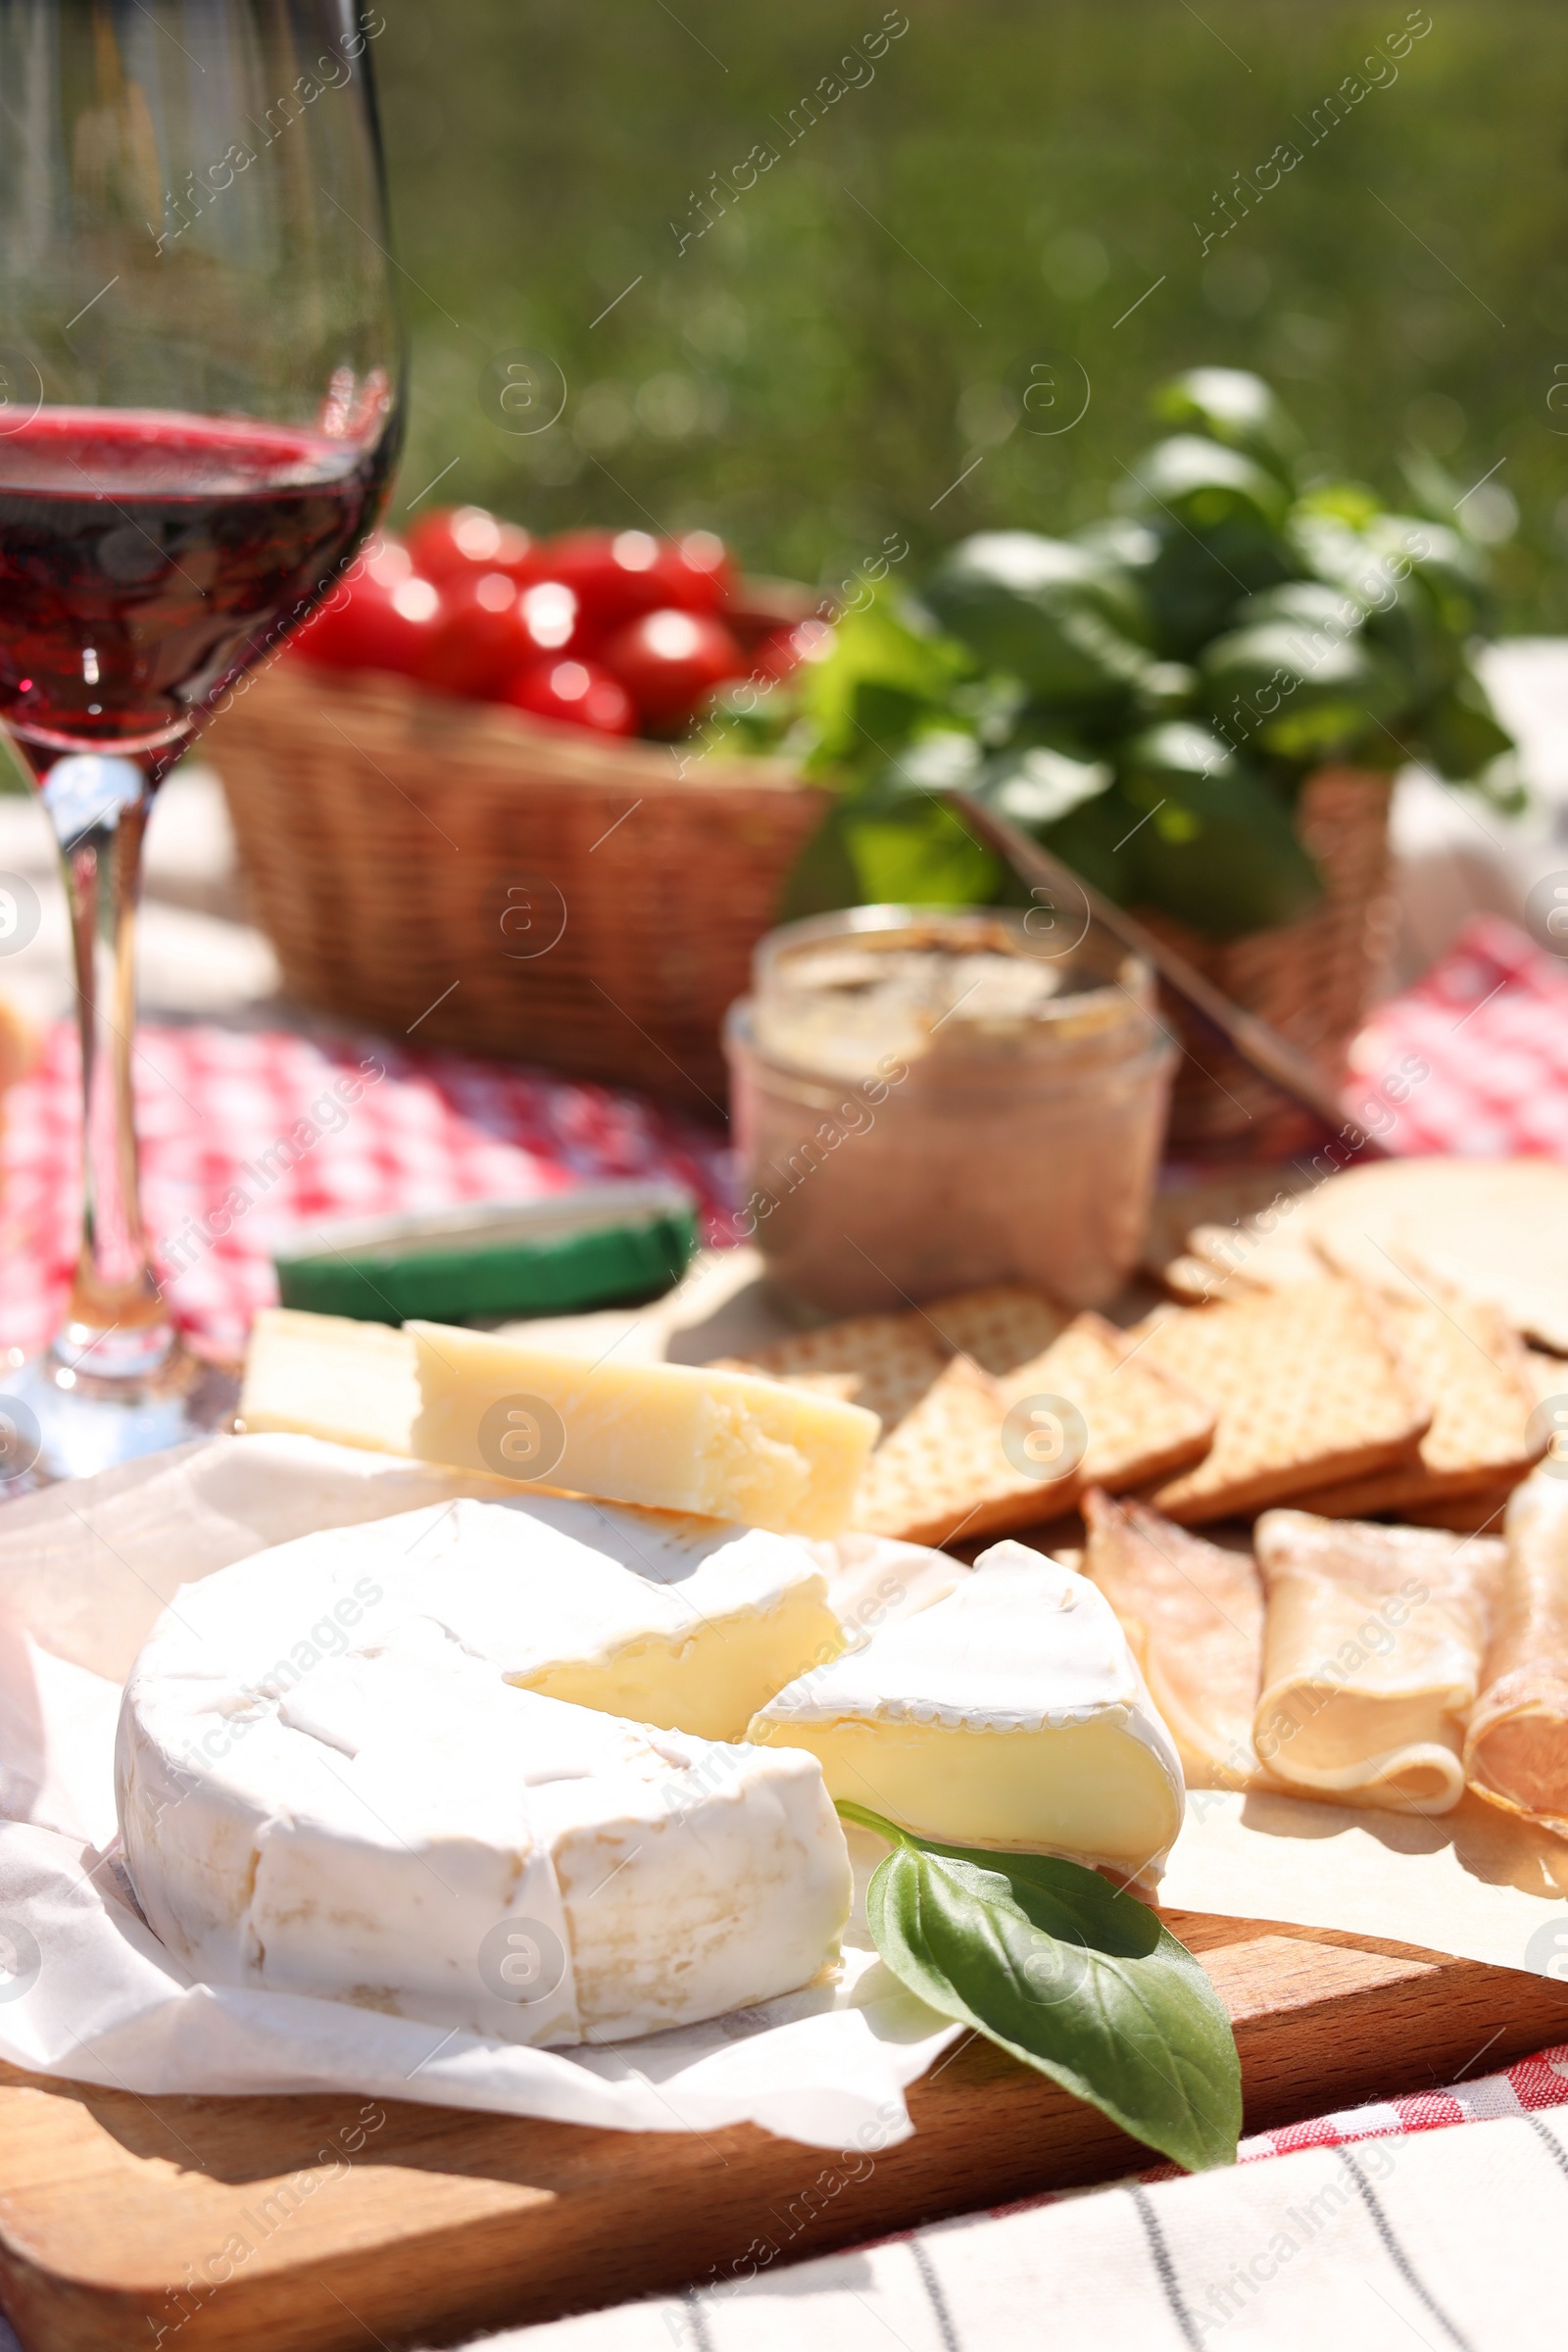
(1378, 2229)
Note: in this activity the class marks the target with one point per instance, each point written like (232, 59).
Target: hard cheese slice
(723, 1444)
(327, 1787)
(1009, 1715)
(326, 1376)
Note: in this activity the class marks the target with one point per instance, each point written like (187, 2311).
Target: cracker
(890, 1362)
(1461, 1356)
(943, 1472)
(1001, 1327)
(941, 1463)
(1140, 1422)
(1494, 1229)
(1304, 1390)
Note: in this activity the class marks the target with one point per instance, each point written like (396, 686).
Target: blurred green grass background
(860, 326)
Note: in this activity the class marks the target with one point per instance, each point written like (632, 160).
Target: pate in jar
(926, 1100)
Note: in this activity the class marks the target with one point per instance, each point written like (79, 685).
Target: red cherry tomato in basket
(384, 618)
(670, 659)
(695, 572)
(549, 619)
(457, 540)
(577, 693)
(473, 648)
(618, 575)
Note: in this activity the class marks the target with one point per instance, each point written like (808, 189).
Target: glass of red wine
(201, 376)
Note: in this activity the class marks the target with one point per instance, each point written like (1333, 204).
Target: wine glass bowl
(201, 375)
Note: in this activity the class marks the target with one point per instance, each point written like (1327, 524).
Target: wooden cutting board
(306, 2224)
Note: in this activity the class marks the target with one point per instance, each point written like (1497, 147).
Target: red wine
(147, 557)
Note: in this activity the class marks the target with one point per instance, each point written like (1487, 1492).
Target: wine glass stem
(117, 1326)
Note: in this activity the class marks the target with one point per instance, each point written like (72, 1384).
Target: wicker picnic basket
(464, 874)
(1313, 980)
(460, 873)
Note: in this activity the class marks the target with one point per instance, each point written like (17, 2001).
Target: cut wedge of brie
(327, 1785)
(1010, 1714)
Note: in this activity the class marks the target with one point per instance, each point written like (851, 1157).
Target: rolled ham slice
(1193, 1615)
(1372, 1657)
(1516, 1755)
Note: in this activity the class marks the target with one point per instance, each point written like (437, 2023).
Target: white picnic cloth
(1453, 2239)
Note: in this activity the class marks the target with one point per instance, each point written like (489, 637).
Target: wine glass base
(57, 1424)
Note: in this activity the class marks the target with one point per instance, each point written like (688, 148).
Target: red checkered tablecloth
(256, 1126)
(1473, 1060)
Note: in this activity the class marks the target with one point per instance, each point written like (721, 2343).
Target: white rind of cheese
(1010, 1714)
(684, 1623)
(325, 1787)
(671, 1437)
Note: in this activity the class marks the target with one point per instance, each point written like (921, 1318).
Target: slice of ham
(1516, 1754)
(1193, 1615)
(1373, 1649)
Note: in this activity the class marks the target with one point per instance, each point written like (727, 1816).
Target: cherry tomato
(609, 572)
(462, 539)
(473, 648)
(619, 574)
(550, 620)
(696, 573)
(578, 692)
(670, 659)
(385, 618)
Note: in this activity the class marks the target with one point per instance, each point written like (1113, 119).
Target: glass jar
(927, 1099)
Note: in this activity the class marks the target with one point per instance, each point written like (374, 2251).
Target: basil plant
(1146, 698)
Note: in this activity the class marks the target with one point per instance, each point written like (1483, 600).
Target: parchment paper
(86, 1990)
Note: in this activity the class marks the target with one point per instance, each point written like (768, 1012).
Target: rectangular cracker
(1464, 1357)
(942, 1473)
(1139, 1422)
(1305, 1391)
(885, 1362)
(1001, 1327)
(941, 1462)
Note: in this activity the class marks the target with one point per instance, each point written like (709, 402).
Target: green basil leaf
(1302, 692)
(1037, 785)
(1209, 840)
(1084, 1984)
(1461, 734)
(1063, 619)
(881, 678)
(1227, 404)
(1205, 484)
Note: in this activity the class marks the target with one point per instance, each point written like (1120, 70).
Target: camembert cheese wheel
(328, 1786)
